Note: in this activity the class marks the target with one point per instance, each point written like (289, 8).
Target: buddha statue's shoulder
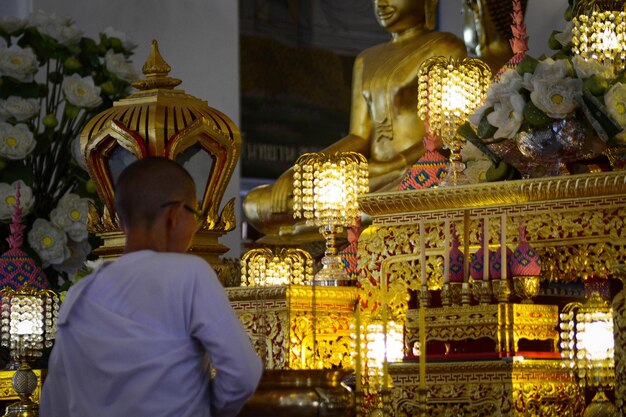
(426, 44)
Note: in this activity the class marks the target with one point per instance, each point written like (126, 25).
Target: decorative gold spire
(156, 69)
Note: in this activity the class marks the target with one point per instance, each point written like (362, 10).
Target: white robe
(133, 339)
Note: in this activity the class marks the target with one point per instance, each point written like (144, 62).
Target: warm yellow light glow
(383, 347)
(28, 320)
(264, 267)
(449, 91)
(587, 341)
(327, 187)
(599, 32)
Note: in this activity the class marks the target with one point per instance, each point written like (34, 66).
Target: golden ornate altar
(576, 224)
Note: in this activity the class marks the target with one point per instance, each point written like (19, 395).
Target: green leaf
(485, 129)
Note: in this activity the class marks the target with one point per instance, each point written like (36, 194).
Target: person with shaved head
(151, 333)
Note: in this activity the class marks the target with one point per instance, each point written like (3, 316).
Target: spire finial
(156, 69)
(17, 228)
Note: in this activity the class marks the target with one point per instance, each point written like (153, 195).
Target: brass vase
(526, 287)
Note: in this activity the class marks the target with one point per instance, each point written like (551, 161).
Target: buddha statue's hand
(282, 193)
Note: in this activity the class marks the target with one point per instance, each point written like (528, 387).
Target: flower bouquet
(52, 81)
(552, 115)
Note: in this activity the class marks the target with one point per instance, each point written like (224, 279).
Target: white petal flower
(118, 65)
(477, 116)
(16, 142)
(127, 43)
(557, 99)
(18, 107)
(19, 63)
(507, 116)
(587, 68)
(61, 29)
(11, 24)
(77, 154)
(615, 100)
(81, 91)
(49, 242)
(566, 35)
(78, 253)
(70, 215)
(548, 71)
(8, 199)
(510, 82)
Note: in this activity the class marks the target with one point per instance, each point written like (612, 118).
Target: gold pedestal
(505, 323)
(512, 388)
(298, 326)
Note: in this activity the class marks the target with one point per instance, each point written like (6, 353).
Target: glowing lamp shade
(263, 267)
(28, 325)
(383, 346)
(587, 345)
(326, 191)
(599, 31)
(449, 91)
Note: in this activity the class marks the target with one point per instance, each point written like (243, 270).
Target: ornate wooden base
(505, 324)
(507, 388)
(298, 326)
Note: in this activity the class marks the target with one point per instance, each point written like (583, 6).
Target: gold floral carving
(488, 388)
(298, 326)
(503, 323)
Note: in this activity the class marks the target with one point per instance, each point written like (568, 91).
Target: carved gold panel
(507, 388)
(298, 326)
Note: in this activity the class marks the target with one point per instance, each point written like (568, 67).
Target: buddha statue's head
(400, 15)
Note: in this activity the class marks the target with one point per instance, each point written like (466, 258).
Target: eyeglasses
(186, 206)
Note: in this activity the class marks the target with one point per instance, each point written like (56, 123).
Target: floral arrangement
(562, 94)
(52, 81)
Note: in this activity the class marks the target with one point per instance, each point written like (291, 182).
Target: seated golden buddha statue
(384, 125)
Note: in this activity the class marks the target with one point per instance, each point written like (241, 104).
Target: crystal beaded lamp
(599, 31)
(449, 91)
(28, 326)
(587, 345)
(264, 267)
(326, 191)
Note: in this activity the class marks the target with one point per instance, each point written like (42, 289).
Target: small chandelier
(28, 326)
(587, 345)
(449, 91)
(326, 191)
(599, 31)
(263, 267)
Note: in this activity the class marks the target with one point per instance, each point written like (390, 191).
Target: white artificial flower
(586, 68)
(11, 24)
(81, 91)
(16, 142)
(77, 153)
(565, 36)
(8, 199)
(18, 107)
(558, 99)
(49, 242)
(70, 215)
(477, 116)
(509, 83)
(59, 28)
(507, 116)
(469, 152)
(476, 170)
(19, 63)
(615, 100)
(548, 71)
(118, 65)
(127, 43)
(78, 253)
